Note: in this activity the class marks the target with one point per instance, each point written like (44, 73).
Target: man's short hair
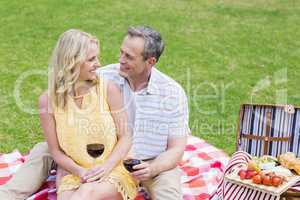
(154, 45)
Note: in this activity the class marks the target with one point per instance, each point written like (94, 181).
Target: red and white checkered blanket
(202, 167)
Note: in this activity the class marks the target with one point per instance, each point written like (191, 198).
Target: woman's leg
(97, 191)
(66, 195)
(89, 191)
(30, 176)
(60, 173)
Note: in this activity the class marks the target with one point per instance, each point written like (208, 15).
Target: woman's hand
(81, 173)
(98, 173)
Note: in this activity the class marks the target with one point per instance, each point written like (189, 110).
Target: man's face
(132, 63)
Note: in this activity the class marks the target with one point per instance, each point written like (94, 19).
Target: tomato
(242, 170)
(276, 181)
(267, 180)
(262, 174)
(242, 173)
(257, 179)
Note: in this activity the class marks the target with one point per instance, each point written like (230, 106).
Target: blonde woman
(81, 109)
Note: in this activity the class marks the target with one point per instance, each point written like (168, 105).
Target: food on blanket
(242, 173)
(265, 159)
(252, 165)
(267, 180)
(287, 159)
(290, 161)
(263, 171)
(273, 181)
(271, 178)
(247, 174)
(296, 167)
(269, 158)
(280, 170)
(257, 179)
(266, 166)
(267, 162)
(128, 164)
(276, 181)
(262, 163)
(251, 173)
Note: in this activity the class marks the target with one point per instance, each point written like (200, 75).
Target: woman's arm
(48, 125)
(119, 114)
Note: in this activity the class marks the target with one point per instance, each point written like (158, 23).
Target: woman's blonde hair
(64, 67)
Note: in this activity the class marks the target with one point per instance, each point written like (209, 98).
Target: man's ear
(152, 61)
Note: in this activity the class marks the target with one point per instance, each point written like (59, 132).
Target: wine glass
(129, 163)
(95, 149)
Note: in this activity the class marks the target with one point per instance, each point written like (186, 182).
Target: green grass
(222, 52)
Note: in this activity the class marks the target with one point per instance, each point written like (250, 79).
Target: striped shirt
(156, 113)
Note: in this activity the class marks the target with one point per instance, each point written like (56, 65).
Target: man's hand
(144, 171)
(97, 173)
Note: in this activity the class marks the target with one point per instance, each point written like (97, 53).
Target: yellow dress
(91, 123)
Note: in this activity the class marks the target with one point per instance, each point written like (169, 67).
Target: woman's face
(90, 64)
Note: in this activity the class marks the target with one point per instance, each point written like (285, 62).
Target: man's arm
(165, 161)
(170, 158)
(178, 131)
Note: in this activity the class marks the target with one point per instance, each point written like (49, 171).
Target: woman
(81, 109)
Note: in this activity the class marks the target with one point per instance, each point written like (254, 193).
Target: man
(158, 113)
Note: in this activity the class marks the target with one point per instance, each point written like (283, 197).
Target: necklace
(78, 97)
(83, 84)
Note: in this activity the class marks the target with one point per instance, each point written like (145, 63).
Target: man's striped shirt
(156, 113)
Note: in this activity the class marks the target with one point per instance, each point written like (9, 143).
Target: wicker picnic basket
(269, 130)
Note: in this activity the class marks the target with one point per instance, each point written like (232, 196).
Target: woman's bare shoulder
(44, 102)
(112, 86)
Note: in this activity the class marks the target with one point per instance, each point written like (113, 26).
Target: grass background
(222, 52)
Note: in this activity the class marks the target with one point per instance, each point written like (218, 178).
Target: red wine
(128, 164)
(95, 150)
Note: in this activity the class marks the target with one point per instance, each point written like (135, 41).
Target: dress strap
(101, 89)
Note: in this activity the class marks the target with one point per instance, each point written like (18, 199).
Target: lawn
(224, 53)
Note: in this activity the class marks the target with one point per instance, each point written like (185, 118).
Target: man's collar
(122, 79)
(152, 87)
(153, 84)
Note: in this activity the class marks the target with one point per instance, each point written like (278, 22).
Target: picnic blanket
(202, 169)
(230, 191)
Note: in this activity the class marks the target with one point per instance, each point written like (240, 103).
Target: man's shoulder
(110, 72)
(111, 68)
(167, 82)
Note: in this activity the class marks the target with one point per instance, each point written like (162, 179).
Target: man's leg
(30, 176)
(165, 186)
